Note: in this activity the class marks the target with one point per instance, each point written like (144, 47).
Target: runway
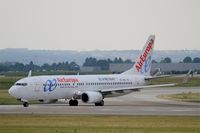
(144, 102)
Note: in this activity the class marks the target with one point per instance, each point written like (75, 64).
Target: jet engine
(91, 97)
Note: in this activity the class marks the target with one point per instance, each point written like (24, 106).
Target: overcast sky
(102, 24)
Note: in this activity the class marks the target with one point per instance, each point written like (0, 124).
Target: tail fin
(142, 65)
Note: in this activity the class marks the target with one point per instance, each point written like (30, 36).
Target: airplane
(88, 88)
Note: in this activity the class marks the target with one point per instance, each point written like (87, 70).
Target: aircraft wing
(156, 77)
(135, 88)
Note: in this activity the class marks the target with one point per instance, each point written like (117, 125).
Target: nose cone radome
(13, 91)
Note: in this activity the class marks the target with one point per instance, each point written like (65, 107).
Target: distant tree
(154, 61)
(31, 65)
(63, 66)
(127, 61)
(166, 60)
(120, 60)
(66, 66)
(73, 66)
(103, 64)
(196, 60)
(4, 68)
(19, 67)
(54, 66)
(46, 67)
(187, 60)
(90, 62)
(116, 60)
(109, 61)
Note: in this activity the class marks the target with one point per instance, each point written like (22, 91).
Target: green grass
(5, 84)
(186, 97)
(191, 82)
(5, 98)
(6, 81)
(98, 124)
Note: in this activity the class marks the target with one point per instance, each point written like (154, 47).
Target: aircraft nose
(13, 91)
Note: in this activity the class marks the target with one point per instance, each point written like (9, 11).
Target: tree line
(187, 59)
(61, 66)
(65, 66)
(73, 66)
(103, 63)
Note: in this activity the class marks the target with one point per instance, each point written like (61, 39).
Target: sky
(99, 24)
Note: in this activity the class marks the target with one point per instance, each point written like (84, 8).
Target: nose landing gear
(25, 102)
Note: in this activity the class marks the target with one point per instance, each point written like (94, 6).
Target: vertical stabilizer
(142, 65)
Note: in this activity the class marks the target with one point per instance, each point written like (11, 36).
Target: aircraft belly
(117, 93)
(59, 95)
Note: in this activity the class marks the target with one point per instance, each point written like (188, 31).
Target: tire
(73, 102)
(25, 104)
(101, 103)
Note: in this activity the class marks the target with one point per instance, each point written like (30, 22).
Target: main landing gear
(25, 104)
(73, 102)
(101, 103)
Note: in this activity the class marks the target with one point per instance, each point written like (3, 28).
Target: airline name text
(143, 57)
(67, 79)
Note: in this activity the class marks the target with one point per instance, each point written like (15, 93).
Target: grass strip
(98, 124)
(185, 97)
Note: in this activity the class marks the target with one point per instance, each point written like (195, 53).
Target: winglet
(30, 73)
(185, 80)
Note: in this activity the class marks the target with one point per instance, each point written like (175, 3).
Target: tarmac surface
(144, 102)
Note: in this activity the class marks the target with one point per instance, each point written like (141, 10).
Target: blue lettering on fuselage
(106, 79)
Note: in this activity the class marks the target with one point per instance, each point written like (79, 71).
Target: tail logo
(147, 65)
(143, 58)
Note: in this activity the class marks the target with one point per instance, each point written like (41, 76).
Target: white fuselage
(67, 86)
(88, 88)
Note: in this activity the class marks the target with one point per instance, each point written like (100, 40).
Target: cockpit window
(21, 84)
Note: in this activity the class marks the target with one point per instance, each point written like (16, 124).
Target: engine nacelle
(91, 97)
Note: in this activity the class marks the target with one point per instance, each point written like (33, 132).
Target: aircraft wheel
(73, 102)
(100, 103)
(25, 104)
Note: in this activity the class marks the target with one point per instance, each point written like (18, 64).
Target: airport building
(164, 67)
(90, 69)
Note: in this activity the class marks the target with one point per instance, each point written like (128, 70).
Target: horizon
(51, 56)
